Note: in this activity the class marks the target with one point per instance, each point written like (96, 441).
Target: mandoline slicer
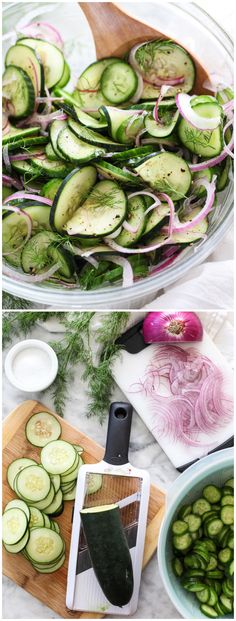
(124, 485)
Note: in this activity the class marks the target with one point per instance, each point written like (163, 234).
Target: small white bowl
(31, 365)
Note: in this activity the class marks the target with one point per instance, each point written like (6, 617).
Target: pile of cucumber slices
(41, 489)
(203, 544)
(114, 180)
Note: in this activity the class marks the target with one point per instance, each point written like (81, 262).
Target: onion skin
(177, 327)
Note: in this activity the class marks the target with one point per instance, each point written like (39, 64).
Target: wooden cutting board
(50, 589)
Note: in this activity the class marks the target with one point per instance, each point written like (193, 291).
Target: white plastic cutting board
(129, 369)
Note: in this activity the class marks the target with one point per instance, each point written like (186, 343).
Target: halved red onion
(210, 188)
(30, 278)
(163, 91)
(27, 195)
(42, 30)
(183, 102)
(11, 182)
(29, 222)
(128, 275)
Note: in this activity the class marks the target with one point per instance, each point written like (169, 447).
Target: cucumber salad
(110, 182)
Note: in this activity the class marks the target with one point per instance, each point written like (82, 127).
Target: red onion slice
(163, 91)
(42, 30)
(128, 276)
(210, 188)
(32, 197)
(11, 182)
(81, 253)
(129, 228)
(183, 102)
(30, 278)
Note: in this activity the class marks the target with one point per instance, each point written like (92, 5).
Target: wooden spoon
(115, 32)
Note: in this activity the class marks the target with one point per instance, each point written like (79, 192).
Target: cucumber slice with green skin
(164, 59)
(94, 483)
(78, 448)
(70, 495)
(18, 547)
(16, 466)
(56, 481)
(165, 126)
(54, 131)
(203, 595)
(184, 510)
(36, 518)
(127, 155)
(102, 213)
(76, 150)
(207, 174)
(16, 503)
(188, 237)
(34, 255)
(227, 500)
(50, 188)
(33, 484)
(19, 134)
(109, 171)
(55, 526)
(56, 503)
(58, 254)
(14, 229)
(47, 521)
(227, 515)
(72, 469)
(41, 428)
(201, 506)
(182, 542)
(128, 130)
(26, 169)
(179, 527)
(209, 611)
(155, 218)
(212, 493)
(26, 143)
(48, 168)
(149, 105)
(230, 483)
(136, 218)
(193, 522)
(43, 504)
(119, 82)
(177, 567)
(65, 76)
(92, 137)
(44, 545)
(19, 91)
(58, 456)
(51, 57)
(72, 475)
(88, 93)
(115, 118)
(51, 568)
(106, 540)
(50, 153)
(204, 143)
(166, 172)
(79, 115)
(70, 195)
(223, 178)
(22, 56)
(14, 526)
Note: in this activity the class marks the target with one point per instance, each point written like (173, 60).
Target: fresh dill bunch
(15, 324)
(10, 302)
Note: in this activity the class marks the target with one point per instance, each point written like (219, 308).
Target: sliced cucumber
(115, 118)
(54, 131)
(50, 168)
(14, 526)
(168, 173)
(15, 135)
(16, 503)
(14, 229)
(102, 212)
(26, 144)
(155, 218)
(78, 114)
(76, 150)
(36, 518)
(72, 192)
(16, 466)
(129, 154)
(56, 481)
(92, 137)
(61, 255)
(119, 82)
(55, 505)
(33, 484)
(136, 219)
(165, 127)
(88, 92)
(44, 545)
(34, 256)
(41, 428)
(65, 76)
(22, 56)
(18, 90)
(204, 143)
(70, 495)
(49, 569)
(186, 237)
(51, 58)
(109, 171)
(50, 153)
(50, 188)
(20, 545)
(58, 456)
(43, 504)
(72, 475)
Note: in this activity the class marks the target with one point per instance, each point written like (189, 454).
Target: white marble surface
(144, 453)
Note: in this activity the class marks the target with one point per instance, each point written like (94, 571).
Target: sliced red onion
(161, 81)
(81, 253)
(183, 102)
(42, 30)
(163, 91)
(138, 136)
(6, 158)
(65, 285)
(14, 275)
(112, 244)
(129, 228)
(32, 197)
(156, 203)
(210, 188)
(128, 275)
(29, 222)
(42, 119)
(116, 233)
(215, 160)
(163, 265)
(18, 157)
(11, 182)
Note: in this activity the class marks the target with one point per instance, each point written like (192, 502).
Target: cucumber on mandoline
(119, 82)
(106, 541)
(166, 172)
(136, 219)
(124, 177)
(207, 143)
(25, 58)
(18, 91)
(165, 126)
(41, 428)
(92, 137)
(52, 59)
(70, 195)
(88, 92)
(14, 229)
(102, 212)
(75, 150)
(160, 59)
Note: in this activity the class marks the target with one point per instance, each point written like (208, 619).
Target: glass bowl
(192, 27)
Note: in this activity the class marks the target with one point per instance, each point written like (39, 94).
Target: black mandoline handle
(118, 433)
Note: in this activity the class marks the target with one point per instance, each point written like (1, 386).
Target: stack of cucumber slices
(114, 180)
(203, 544)
(41, 489)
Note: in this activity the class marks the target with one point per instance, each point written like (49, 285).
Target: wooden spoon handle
(114, 31)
